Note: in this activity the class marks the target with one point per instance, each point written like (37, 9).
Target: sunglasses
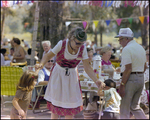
(51, 61)
(77, 42)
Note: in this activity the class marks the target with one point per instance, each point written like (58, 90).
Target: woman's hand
(100, 84)
(38, 66)
(21, 113)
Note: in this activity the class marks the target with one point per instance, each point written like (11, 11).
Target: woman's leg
(69, 117)
(54, 116)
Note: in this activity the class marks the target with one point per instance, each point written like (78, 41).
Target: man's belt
(121, 74)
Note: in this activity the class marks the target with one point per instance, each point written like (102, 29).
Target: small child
(22, 98)
(112, 100)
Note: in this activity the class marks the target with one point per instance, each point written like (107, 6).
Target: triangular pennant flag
(67, 23)
(95, 23)
(148, 19)
(107, 22)
(28, 2)
(130, 20)
(84, 24)
(119, 21)
(141, 19)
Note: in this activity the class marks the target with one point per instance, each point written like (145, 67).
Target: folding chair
(9, 79)
(19, 64)
(40, 93)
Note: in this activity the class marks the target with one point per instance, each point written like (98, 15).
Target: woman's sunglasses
(51, 61)
(77, 42)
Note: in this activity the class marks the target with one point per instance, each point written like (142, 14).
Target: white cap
(125, 32)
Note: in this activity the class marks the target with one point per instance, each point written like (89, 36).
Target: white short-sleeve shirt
(134, 54)
(41, 75)
(67, 55)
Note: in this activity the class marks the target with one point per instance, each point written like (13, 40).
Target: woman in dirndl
(63, 93)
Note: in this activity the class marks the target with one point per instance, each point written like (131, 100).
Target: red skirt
(63, 111)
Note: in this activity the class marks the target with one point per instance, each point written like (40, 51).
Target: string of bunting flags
(85, 23)
(15, 2)
(93, 3)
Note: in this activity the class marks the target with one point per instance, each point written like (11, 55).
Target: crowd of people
(59, 69)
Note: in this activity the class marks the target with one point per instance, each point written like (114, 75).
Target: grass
(109, 37)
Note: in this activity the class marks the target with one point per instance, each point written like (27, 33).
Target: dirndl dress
(63, 93)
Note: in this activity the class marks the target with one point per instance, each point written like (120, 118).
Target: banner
(107, 22)
(141, 19)
(130, 20)
(84, 24)
(119, 21)
(95, 23)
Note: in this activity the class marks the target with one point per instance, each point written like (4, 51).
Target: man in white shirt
(133, 65)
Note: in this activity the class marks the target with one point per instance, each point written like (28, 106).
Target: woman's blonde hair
(105, 49)
(26, 82)
(71, 34)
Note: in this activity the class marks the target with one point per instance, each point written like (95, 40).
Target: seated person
(43, 78)
(10, 56)
(106, 64)
(19, 52)
(3, 55)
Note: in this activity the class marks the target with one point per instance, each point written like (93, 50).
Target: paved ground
(5, 113)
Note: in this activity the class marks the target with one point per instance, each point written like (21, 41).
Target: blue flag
(107, 22)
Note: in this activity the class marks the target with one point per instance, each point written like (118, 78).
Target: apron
(63, 91)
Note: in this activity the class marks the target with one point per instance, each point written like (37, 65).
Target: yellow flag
(95, 23)
(141, 19)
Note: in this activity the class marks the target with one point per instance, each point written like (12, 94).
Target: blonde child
(22, 98)
(112, 100)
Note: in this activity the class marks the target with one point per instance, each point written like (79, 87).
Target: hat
(80, 34)
(125, 32)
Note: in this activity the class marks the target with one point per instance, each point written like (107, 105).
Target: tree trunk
(144, 26)
(95, 37)
(52, 25)
(101, 37)
(101, 29)
(3, 20)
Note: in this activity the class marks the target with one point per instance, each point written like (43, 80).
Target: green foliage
(126, 12)
(29, 19)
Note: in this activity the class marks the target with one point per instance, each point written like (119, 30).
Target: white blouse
(67, 55)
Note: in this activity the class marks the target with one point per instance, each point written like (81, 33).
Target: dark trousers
(110, 115)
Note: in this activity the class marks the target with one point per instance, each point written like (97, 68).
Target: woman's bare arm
(16, 105)
(47, 57)
(88, 69)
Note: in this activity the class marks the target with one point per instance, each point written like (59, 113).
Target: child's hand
(21, 113)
